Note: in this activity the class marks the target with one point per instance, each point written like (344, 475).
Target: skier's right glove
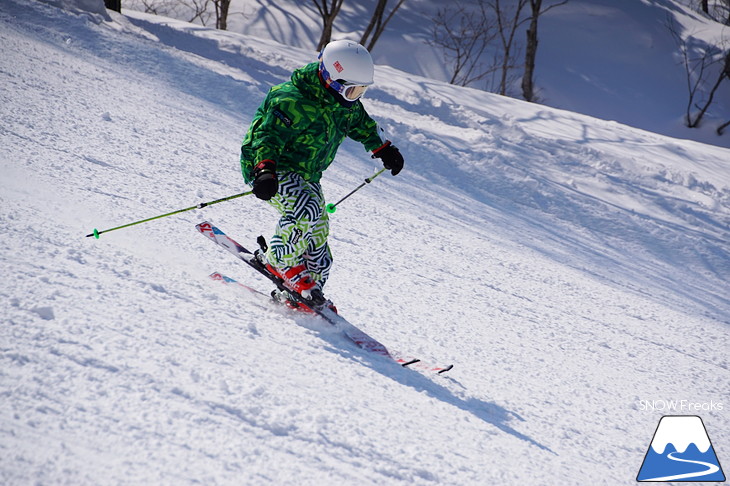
(265, 182)
(391, 157)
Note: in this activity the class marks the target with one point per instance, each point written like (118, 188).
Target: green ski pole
(96, 232)
(331, 208)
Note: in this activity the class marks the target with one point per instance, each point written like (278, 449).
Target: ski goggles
(349, 91)
(352, 92)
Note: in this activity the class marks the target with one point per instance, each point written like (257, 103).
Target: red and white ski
(357, 336)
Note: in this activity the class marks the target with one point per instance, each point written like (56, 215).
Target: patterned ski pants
(303, 228)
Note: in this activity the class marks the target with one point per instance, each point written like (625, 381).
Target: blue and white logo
(681, 451)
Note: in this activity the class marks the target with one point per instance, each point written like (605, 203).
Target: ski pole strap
(96, 232)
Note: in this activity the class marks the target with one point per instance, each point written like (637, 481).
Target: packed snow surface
(572, 269)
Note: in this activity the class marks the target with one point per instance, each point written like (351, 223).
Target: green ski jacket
(300, 126)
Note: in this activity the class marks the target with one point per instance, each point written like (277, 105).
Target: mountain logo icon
(681, 451)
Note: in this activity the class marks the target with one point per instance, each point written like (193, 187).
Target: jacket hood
(306, 80)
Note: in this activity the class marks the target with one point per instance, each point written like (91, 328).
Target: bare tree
(724, 7)
(528, 88)
(726, 74)
(378, 23)
(469, 37)
(152, 7)
(200, 10)
(221, 13)
(718, 10)
(464, 36)
(115, 5)
(328, 10)
(508, 21)
(191, 10)
(721, 128)
(696, 67)
(711, 96)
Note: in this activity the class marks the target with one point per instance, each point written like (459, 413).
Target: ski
(361, 339)
(357, 336)
(228, 280)
(219, 277)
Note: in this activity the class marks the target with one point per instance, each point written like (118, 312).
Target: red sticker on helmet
(338, 66)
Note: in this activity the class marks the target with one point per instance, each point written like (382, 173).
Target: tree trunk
(721, 128)
(380, 24)
(703, 110)
(328, 15)
(326, 34)
(221, 10)
(528, 89)
(377, 18)
(507, 26)
(115, 5)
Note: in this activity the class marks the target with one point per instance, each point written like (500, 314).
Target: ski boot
(296, 279)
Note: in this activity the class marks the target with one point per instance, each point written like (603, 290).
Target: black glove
(265, 182)
(391, 157)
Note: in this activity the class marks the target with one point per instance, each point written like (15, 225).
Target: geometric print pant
(303, 227)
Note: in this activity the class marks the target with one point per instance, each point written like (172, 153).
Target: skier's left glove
(391, 157)
(265, 182)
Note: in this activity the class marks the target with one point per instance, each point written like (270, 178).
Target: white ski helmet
(347, 67)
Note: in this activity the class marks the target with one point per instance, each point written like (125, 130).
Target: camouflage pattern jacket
(300, 125)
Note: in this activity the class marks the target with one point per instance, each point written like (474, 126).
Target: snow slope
(569, 267)
(608, 59)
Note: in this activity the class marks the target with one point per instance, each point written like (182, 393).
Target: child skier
(293, 138)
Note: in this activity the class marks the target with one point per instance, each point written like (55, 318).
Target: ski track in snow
(568, 267)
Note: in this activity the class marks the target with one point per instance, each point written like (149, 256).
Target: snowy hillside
(608, 59)
(570, 268)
